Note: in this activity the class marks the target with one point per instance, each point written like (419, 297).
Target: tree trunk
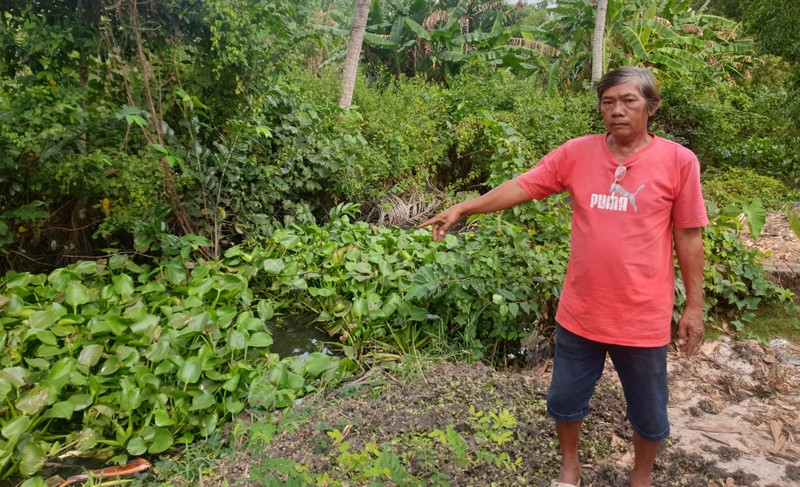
(598, 45)
(357, 30)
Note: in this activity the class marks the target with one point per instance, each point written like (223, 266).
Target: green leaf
(202, 401)
(273, 266)
(417, 29)
(794, 223)
(90, 355)
(190, 370)
(42, 319)
(136, 446)
(60, 410)
(230, 384)
(80, 401)
(5, 388)
(110, 365)
(34, 482)
(130, 396)
(208, 424)
(123, 285)
(47, 337)
(19, 280)
(33, 401)
(16, 427)
(16, 376)
(85, 267)
(175, 273)
(378, 41)
(162, 418)
(33, 457)
(159, 350)
(61, 370)
(756, 216)
(237, 340)
(76, 294)
(260, 339)
(37, 363)
(162, 440)
(266, 310)
(316, 363)
(286, 239)
(360, 307)
(633, 40)
(145, 326)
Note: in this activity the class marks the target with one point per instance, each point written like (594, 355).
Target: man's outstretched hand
(442, 222)
(690, 331)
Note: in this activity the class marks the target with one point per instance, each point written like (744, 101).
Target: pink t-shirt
(620, 278)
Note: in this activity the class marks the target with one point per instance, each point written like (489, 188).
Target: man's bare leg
(568, 434)
(645, 456)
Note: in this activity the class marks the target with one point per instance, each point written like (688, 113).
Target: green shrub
(735, 282)
(720, 185)
(401, 129)
(771, 156)
(504, 125)
(746, 126)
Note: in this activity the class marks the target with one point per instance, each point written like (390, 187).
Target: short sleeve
(547, 177)
(689, 210)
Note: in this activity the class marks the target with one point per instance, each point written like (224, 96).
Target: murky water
(297, 335)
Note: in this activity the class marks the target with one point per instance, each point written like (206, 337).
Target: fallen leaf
(777, 428)
(716, 429)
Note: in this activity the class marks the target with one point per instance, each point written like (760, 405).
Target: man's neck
(623, 149)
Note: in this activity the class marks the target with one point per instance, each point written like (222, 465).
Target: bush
(745, 126)
(504, 125)
(735, 282)
(720, 185)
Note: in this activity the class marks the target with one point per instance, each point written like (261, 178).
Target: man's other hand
(690, 331)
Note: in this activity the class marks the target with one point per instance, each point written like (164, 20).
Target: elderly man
(635, 196)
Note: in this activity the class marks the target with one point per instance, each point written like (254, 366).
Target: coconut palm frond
(406, 211)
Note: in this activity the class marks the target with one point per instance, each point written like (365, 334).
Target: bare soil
(777, 239)
(733, 410)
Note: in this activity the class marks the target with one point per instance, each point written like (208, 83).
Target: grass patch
(772, 321)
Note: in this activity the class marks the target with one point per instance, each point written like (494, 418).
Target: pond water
(297, 335)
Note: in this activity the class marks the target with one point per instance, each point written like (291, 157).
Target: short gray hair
(645, 81)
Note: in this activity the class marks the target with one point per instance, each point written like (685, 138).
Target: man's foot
(640, 480)
(570, 472)
(555, 483)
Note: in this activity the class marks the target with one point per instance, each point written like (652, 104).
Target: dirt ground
(733, 410)
(777, 239)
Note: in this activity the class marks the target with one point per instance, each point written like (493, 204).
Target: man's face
(624, 111)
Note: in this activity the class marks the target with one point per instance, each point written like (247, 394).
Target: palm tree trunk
(597, 41)
(357, 30)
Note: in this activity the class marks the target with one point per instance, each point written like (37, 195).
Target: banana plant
(667, 35)
(438, 37)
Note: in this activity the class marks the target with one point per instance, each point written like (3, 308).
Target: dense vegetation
(175, 178)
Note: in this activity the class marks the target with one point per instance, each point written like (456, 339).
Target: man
(635, 195)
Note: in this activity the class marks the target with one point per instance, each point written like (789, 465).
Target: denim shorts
(578, 365)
